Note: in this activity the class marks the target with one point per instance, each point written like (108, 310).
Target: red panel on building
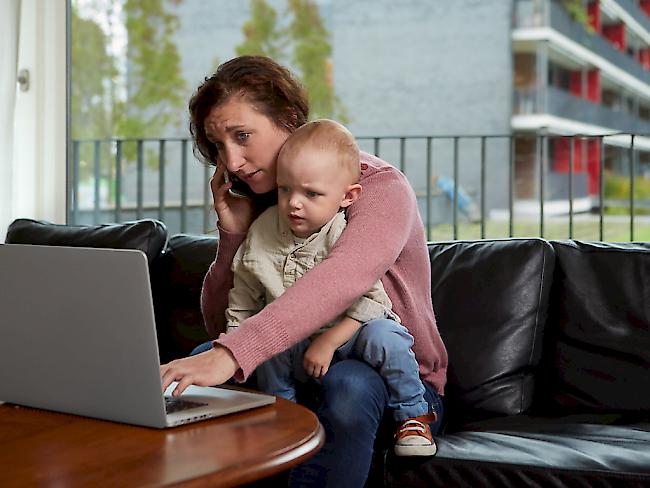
(645, 6)
(644, 58)
(593, 166)
(562, 154)
(593, 11)
(575, 83)
(593, 86)
(615, 34)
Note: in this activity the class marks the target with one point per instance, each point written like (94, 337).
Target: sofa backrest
(490, 298)
(149, 236)
(597, 345)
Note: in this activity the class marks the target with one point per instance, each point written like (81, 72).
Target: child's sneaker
(413, 436)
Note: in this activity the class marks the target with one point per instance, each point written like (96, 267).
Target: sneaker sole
(416, 450)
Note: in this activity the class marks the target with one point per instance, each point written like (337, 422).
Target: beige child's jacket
(271, 259)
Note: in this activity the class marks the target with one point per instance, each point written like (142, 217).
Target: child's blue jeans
(383, 344)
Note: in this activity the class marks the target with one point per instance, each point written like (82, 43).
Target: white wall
(8, 59)
(33, 173)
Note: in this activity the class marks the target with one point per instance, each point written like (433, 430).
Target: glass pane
(419, 85)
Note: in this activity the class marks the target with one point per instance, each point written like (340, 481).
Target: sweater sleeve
(217, 283)
(378, 227)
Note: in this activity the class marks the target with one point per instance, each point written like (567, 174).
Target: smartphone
(239, 189)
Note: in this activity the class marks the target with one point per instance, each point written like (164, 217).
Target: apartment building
(579, 68)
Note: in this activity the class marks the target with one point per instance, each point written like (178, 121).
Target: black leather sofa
(548, 341)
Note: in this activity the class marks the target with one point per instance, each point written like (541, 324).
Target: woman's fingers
(218, 186)
(212, 367)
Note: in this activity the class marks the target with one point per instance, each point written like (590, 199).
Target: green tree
(304, 43)
(156, 87)
(92, 99)
(312, 56)
(578, 12)
(261, 34)
(92, 67)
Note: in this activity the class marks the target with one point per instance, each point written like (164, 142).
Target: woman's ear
(351, 195)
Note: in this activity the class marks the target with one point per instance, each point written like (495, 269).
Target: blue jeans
(206, 346)
(354, 399)
(382, 343)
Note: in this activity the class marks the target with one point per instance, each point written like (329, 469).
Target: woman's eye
(243, 136)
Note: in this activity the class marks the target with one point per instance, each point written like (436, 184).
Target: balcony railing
(554, 101)
(467, 187)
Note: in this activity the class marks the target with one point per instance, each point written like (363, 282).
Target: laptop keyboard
(177, 404)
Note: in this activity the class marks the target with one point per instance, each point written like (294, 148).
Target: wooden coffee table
(39, 448)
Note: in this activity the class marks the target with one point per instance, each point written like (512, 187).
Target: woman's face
(248, 142)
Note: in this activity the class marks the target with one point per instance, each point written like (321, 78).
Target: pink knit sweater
(384, 239)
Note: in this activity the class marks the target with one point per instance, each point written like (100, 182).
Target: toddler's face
(311, 189)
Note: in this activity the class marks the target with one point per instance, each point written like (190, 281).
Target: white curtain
(8, 68)
(33, 178)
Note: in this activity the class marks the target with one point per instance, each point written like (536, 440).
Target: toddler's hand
(317, 359)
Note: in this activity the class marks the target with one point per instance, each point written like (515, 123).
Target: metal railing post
(542, 154)
(571, 169)
(632, 170)
(140, 178)
(75, 182)
(483, 187)
(511, 185)
(97, 177)
(455, 202)
(161, 179)
(601, 190)
(118, 181)
(184, 185)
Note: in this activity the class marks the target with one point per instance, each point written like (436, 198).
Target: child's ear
(351, 195)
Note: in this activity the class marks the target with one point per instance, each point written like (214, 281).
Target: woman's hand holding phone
(235, 213)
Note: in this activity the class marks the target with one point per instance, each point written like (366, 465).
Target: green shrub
(618, 187)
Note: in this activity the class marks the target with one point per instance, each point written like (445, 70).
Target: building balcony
(536, 14)
(635, 12)
(560, 103)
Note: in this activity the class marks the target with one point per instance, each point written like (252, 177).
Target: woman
(240, 117)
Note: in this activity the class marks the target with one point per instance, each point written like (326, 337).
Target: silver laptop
(77, 335)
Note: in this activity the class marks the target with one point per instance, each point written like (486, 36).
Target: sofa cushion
(149, 236)
(599, 327)
(490, 299)
(177, 294)
(528, 451)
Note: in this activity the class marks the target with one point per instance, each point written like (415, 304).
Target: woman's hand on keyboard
(210, 368)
